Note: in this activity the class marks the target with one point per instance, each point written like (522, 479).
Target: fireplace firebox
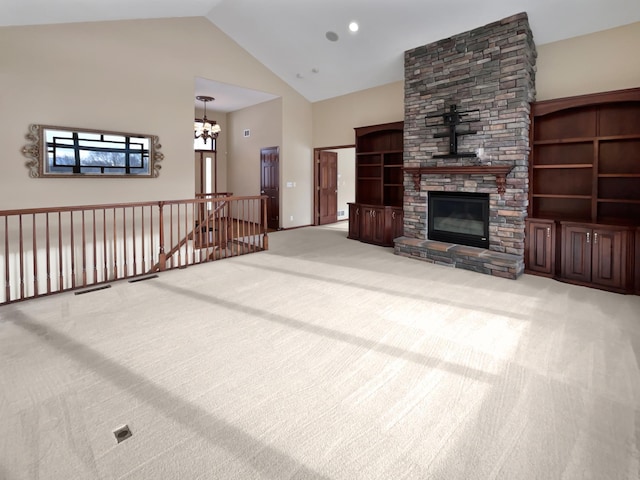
(459, 217)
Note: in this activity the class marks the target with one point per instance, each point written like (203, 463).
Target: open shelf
(564, 165)
(379, 162)
(564, 154)
(578, 182)
(557, 195)
(585, 161)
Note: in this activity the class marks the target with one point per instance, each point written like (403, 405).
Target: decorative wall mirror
(73, 152)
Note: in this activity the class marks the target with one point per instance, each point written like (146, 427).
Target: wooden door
(576, 253)
(354, 221)
(327, 165)
(270, 184)
(539, 247)
(608, 260)
(637, 262)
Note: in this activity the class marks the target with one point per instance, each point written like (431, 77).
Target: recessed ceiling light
(331, 36)
(353, 26)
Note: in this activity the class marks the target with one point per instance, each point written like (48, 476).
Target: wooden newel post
(264, 223)
(162, 258)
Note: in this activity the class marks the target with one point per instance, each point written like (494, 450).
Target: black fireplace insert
(459, 217)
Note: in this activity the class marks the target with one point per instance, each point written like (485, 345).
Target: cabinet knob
(393, 215)
(588, 237)
(373, 213)
(595, 238)
(357, 211)
(548, 232)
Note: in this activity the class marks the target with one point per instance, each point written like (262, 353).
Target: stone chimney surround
(489, 70)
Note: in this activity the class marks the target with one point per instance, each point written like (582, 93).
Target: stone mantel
(500, 172)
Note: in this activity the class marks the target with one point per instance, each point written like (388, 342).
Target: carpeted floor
(322, 358)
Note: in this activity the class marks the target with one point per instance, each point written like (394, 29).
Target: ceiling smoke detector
(332, 36)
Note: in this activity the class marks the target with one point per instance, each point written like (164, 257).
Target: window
(66, 152)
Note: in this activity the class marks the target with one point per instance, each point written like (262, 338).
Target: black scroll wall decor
(452, 120)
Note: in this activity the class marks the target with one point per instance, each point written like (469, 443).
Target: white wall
(346, 180)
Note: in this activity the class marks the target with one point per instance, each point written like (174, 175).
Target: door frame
(316, 179)
(279, 216)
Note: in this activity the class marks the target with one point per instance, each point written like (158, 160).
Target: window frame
(81, 142)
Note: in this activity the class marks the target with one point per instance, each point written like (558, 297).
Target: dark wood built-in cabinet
(637, 262)
(584, 188)
(376, 215)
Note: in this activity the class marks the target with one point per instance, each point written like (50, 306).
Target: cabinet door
(378, 224)
(366, 224)
(637, 262)
(354, 221)
(608, 262)
(397, 223)
(372, 225)
(540, 246)
(576, 253)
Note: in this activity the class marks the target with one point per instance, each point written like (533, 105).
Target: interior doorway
(270, 184)
(206, 171)
(327, 187)
(334, 183)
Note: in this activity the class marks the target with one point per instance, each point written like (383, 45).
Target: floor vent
(95, 289)
(341, 213)
(122, 433)
(142, 279)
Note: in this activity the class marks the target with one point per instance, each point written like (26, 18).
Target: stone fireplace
(490, 72)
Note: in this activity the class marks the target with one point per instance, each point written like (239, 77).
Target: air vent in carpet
(140, 279)
(95, 289)
(122, 433)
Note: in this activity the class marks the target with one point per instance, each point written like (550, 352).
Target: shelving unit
(377, 210)
(585, 168)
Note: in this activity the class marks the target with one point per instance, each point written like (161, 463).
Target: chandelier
(204, 128)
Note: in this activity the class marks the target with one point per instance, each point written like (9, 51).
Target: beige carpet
(322, 358)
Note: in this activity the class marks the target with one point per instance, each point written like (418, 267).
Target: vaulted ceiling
(308, 44)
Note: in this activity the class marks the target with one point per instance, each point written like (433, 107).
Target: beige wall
(599, 62)
(264, 121)
(135, 76)
(335, 119)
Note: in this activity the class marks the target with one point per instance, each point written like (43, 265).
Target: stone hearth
(490, 70)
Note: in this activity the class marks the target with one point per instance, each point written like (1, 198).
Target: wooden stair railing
(51, 250)
(191, 236)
